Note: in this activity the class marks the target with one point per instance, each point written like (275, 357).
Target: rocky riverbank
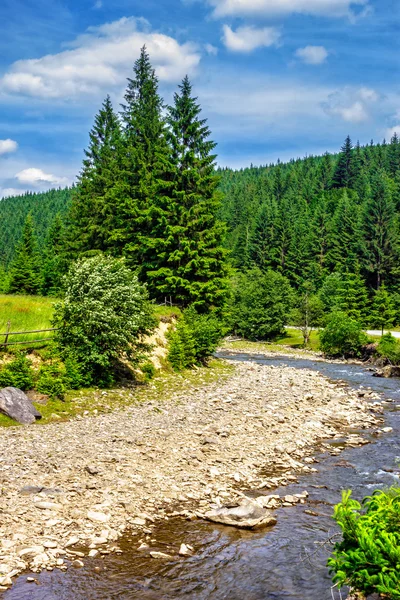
(70, 489)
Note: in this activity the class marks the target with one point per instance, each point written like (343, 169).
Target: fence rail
(9, 333)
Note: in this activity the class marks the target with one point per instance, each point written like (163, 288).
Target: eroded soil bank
(69, 490)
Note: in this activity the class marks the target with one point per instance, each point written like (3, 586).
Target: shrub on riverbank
(368, 557)
(103, 317)
(194, 339)
(389, 348)
(342, 336)
(261, 305)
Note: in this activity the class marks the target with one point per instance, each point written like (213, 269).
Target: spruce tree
(346, 245)
(145, 167)
(353, 297)
(54, 265)
(383, 313)
(25, 271)
(89, 227)
(343, 175)
(186, 238)
(380, 230)
(262, 236)
(393, 155)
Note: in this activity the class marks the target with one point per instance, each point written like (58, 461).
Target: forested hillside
(309, 217)
(305, 219)
(13, 212)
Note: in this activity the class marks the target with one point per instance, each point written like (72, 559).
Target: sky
(277, 79)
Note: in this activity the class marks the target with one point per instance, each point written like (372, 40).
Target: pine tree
(343, 175)
(25, 275)
(380, 227)
(186, 238)
(146, 165)
(393, 155)
(383, 313)
(262, 236)
(90, 211)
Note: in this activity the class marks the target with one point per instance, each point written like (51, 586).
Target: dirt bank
(71, 488)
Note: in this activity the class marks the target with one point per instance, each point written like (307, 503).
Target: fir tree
(343, 175)
(25, 275)
(393, 155)
(380, 227)
(188, 257)
(383, 313)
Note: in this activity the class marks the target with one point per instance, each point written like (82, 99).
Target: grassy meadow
(25, 313)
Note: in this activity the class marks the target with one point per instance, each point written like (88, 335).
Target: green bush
(261, 305)
(52, 379)
(368, 557)
(195, 339)
(18, 373)
(342, 336)
(389, 348)
(148, 370)
(103, 317)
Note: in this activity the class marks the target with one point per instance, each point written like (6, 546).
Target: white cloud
(210, 49)
(391, 131)
(100, 60)
(312, 55)
(273, 8)
(33, 177)
(246, 39)
(352, 105)
(7, 146)
(8, 192)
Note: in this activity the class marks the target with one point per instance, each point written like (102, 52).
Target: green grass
(291, 340)
(167, 312)
(25, 313)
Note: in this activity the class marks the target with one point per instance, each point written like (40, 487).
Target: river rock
(391, 371)
(16, 405)
(248, 515)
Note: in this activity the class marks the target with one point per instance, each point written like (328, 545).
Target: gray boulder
(16, 405)
(247, 515)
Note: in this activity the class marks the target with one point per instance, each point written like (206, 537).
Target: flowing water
(286, 562)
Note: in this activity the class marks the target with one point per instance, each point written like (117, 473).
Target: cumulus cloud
(34, 177)
(352, 105)
(8, 146)
(246, 39)
(273, 8)
(100, 60)
(210, 49)
(312, 55)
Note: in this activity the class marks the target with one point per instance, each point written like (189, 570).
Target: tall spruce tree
(25, 271)
(381, 230)
(189, 259)
(90, 211)
(145, 166)
(346, 247)
(54, 265)
(383, 313)
(344, 172)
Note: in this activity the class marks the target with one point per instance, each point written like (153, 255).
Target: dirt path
(71, 488)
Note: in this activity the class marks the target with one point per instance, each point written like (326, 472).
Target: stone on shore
(248, 515)
(16, 405)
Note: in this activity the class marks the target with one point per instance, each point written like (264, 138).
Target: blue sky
(275, 78)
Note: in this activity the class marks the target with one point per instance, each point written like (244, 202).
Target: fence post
(7, 332)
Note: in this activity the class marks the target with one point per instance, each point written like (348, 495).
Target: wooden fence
(9, 333)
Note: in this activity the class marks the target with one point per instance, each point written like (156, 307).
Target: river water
(286, 562)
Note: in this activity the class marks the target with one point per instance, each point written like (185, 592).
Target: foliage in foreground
(368, 557)
(342, 336)
(389, 348)
(194, 339)
(103, 317)
(261, 305)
